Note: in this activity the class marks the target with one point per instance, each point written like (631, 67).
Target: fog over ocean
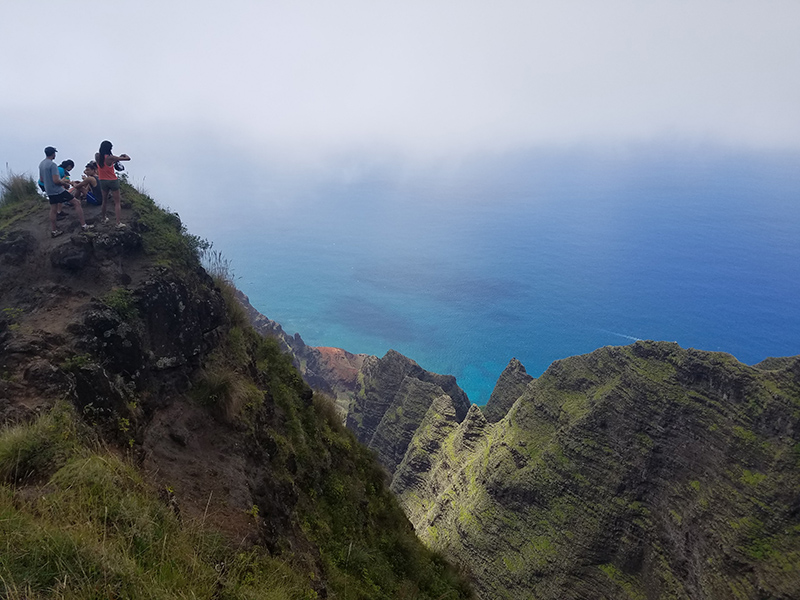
(537, 255)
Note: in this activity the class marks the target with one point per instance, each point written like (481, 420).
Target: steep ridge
(128, 374)
(646, 471)
(510, 386)
(332, 371)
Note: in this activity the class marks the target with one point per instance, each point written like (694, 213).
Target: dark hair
(105, 150)
(91, 165)
(67, 164)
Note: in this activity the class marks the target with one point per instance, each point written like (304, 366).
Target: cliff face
(156, 359)
(646, 471)
(393, 398)
(510, 386)
(332, 371)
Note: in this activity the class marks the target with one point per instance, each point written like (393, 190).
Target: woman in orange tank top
(109, 184)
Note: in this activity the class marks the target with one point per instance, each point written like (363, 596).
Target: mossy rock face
(510, 386)
(646, 471)
(394, 393)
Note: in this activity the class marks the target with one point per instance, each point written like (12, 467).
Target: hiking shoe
(60, 216)
(121, 226)
(55, 233)
(87, 227)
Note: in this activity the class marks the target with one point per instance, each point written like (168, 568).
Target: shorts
(109, 185)
(64, 196)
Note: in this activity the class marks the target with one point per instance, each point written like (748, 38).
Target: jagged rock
(417, 480)
(510, 385)
(98, 389)
(381, 379)
(116, 341)
(111, 245)
(16, 247)
(401, 419)
(73, 256)
(470, 431)
(180, 322)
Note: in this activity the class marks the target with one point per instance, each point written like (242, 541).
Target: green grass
(164, 236)
(96, 530)
(18, 197)
(33, 450)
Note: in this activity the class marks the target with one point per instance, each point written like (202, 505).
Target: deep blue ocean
(533, 255)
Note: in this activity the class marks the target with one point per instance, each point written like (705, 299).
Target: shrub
(15, 188)
(34, 450)
(14, 191)
(221, 272)
(226, 391)
(122, 301)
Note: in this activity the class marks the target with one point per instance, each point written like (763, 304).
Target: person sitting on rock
(94, 195)
(78, 189)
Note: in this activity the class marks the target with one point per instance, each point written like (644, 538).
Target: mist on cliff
(273, 127)
(302, 82)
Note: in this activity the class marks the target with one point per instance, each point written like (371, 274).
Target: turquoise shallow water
(536, 256)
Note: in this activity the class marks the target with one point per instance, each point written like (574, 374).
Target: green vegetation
(32, 451)
(164, 236)
(366, 546)
(618, 451)
(18, 196)
(122, 301)
(96, 530)
(78, 361)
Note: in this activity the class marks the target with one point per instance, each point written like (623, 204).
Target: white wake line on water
(622, 335)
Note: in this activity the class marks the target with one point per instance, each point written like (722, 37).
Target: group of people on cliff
(99, 182)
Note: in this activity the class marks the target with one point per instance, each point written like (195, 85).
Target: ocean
(535, 255)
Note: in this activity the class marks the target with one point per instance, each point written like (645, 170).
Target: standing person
(56, 189)
(109, 183)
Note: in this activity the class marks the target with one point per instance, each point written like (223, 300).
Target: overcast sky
(423, 78)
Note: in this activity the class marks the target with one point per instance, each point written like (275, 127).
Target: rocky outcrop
(510, 385)
(393, 397)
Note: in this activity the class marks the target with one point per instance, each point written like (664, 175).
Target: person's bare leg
(76, 204)
(118, 206)
(53, 212)
(105, 204)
